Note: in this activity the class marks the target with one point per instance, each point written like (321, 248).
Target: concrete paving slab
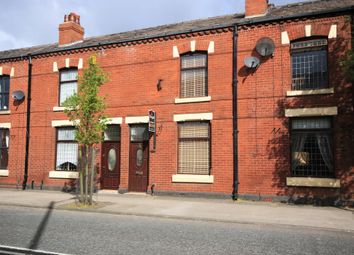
(196, 209)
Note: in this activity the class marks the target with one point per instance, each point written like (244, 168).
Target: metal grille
(4, 148)
(309, 64)
(194, 75)
(67, 150)
(4, 92)
(194, 148)
(312, 154)
(68, 84)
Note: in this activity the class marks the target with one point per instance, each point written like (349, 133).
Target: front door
(138, 158)
(110, 160)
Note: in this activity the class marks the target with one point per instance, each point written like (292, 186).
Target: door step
(108, 191)
(136, 193)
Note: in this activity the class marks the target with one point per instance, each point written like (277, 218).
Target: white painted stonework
(136, 119)
(116, 120)
(63, 175)
(311, 112)
(80, 64)
(308, 30)
(175, 52)
(285, 37)
(62, 123)
(190, 178)
(310, 92)
(211, 47)
(55, 67)
(4, 172)
(5, 125)
(332, 32)
(192, 100)
(193, 43)
(313, 182)
(193, 116)
(12, 72)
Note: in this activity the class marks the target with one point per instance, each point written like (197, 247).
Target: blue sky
(27, 23)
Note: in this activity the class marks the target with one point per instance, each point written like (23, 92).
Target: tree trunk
(86, 172)
(93, 157)
(80, 169)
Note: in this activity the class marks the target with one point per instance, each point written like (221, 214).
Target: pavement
(200, 209)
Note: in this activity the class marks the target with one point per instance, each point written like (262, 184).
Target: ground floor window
(67, 149)
(312, 147)
(4, 147)
(194, 148)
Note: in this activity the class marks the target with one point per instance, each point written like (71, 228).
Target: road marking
(17, 250)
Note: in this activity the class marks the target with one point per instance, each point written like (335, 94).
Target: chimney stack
(70, 31)
(256, 8)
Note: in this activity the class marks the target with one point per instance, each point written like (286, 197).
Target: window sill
(310, 92)
(190, 178)
(5, 112)
(313, 182)
(58, 109)
(192, 100)
(63, 175)
(4, 173)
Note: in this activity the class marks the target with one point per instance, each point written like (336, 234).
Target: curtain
(299, 141)
(325, 146)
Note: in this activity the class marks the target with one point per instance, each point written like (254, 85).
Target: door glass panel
(112, 159)
(139, 157)
(139, 133)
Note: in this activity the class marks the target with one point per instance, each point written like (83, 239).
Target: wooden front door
(110, 160)
(138, 158)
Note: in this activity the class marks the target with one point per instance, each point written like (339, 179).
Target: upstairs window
(194, 75)
(309, 64)
(4, 92)
(68, 84)
(67, 149)
(312, 147)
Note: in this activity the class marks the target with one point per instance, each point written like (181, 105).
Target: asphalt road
(95, 233)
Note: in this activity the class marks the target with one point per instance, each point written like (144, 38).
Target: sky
(26, 23)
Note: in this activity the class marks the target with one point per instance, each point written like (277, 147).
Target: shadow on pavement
(37, 237)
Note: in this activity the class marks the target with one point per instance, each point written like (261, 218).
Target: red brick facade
(134, 68)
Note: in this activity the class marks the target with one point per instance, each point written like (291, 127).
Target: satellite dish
(251, 62)
(265, 46)
(18, 95)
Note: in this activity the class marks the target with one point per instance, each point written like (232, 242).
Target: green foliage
(86, 108)
(347, 64)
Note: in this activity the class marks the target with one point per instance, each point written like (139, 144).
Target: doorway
(110, 160)
(138, 158)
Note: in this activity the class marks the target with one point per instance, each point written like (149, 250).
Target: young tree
(86, 109)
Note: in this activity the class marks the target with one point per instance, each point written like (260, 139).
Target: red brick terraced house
(250, 105)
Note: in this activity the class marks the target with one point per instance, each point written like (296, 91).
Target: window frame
(325, 81)
(195, 53)
(65, 82)
(330, 131)
(6, 148)
(6, 94)
(209, 139)
(63, 141)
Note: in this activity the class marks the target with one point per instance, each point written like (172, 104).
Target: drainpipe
(29, 86)
(234, 114)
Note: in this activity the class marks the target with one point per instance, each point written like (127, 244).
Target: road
(76, 232)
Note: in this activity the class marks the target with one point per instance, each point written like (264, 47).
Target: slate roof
(302, 9)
